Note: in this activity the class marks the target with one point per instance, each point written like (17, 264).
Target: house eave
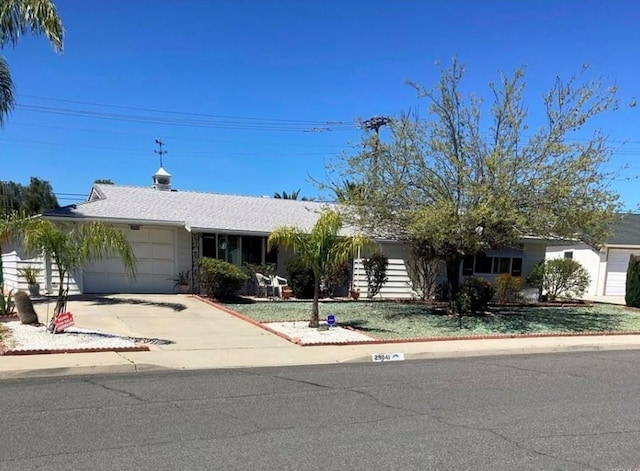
(129, 221)
(196, 229)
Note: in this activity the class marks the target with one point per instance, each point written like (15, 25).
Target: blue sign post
(331, 320)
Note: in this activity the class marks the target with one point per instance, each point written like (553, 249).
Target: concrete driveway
(188, 323)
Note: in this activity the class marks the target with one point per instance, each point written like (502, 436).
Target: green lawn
(407, 320)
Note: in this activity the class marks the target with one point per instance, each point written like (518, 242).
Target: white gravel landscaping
(300, 330)
(27, 337)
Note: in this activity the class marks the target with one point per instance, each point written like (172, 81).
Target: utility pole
(374, 124)
(160, 152)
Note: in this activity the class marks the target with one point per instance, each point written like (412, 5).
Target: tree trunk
(453, 276)
(315, 316)
(1, 271)
(60, 301)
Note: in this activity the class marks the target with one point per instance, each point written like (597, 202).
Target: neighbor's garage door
(154, 250)
(617, 264)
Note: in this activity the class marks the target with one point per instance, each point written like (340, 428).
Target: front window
(501, 265)
(252, 249)
(483, 265)
(228, 248)
(209, 245)
(237, 249)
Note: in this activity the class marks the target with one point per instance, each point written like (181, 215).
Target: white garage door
(617, 264)
(154, 250)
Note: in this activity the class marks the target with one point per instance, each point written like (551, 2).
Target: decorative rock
(24, 306)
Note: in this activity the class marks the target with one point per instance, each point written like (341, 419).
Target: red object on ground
(63, 321)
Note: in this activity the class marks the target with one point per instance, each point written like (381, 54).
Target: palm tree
(320, 250)
(350, 192)
(17, 18)
(287, 196)
(72, 247)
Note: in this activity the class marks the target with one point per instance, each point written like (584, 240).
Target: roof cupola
(162, 178)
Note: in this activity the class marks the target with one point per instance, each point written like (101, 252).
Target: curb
(499, 352)
(373, 341)
(80, 370)
(141, 348)
(472, 337)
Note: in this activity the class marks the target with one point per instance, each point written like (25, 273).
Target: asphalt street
(570, 411)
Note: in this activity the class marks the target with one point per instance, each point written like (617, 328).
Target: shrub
(337, 277)
(536, 278)
(564, 278)
(474, 296)
(300, 278)
(632, 292)
(508, 288)
(24, 306)
(424, 269)
(219, 279)
(441, 292)
(375, 268)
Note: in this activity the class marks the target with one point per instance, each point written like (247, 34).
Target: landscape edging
(48, 351)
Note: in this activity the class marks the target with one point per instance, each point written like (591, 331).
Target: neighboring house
(607, 266)
(169, 230)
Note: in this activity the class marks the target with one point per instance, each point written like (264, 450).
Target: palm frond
(97, 241)
(7, 91)
(40, 17)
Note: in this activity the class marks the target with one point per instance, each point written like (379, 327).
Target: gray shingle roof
(626, 231)
(195, 210)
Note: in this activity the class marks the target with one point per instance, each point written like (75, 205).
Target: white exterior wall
(594, 262)
(14, 259)
(183, 250)
(532, 254)
(52, 282)
(398, 284)
(10, 261)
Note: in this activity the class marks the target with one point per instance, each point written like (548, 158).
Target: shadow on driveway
(106, 300)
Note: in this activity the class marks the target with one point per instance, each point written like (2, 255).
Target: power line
(184, 113)
(191, 123)
(191, 139)
(25, 142)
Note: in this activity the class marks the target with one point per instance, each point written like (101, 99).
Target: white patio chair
(265, 285)
(278, 282)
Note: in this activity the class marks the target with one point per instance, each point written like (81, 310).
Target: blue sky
(261, 79)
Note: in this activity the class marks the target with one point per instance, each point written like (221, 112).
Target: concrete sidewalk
(205, 337)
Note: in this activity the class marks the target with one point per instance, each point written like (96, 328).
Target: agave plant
(6, 302)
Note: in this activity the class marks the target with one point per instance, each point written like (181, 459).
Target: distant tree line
(34, 198)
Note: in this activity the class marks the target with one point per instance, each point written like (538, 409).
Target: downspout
(604, 284)
(358, 272)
